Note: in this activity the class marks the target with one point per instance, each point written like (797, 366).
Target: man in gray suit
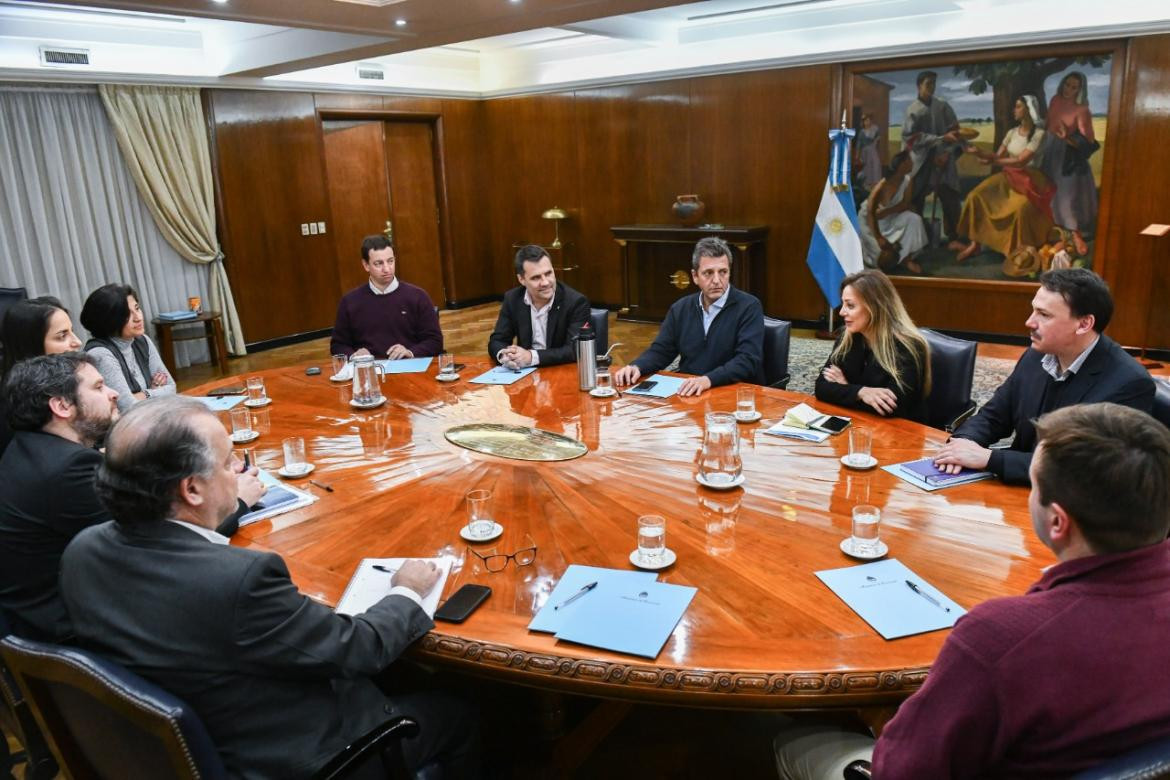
(281, 682)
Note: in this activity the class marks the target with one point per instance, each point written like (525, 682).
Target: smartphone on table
(462, 603)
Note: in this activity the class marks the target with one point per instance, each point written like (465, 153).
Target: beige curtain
(162, 135)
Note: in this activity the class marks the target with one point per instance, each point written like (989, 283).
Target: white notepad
(369, 585)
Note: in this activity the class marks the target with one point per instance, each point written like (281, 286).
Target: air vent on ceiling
(371, 71)
(54, 57)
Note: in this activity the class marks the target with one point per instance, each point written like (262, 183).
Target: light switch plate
(321, 228)
(304, 228)
(313, 228)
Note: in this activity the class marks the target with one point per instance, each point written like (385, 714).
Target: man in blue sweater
(718, 332)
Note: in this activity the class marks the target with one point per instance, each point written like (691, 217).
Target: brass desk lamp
(557, 214)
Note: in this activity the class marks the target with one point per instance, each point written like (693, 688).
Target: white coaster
(668, 558)
(863, 465)
(722, 485)
(497, 529)
(446, 377)
(258, 403)
(243, 437)
(879, 550)
(301, 471)
(748, 418)
(342, 377)
(603, 392)
(356, 404)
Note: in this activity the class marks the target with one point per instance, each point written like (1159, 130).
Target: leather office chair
(100, 718)
(1161, 409)
(777, 340)
(9, 296)
(599, 321)
(952, 369)
(16, 719)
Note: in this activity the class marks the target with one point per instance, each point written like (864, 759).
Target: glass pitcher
(367, 380)
(719, 461)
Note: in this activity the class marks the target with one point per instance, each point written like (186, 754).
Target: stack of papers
(626, 611)
(178, 316)
(369, 585)
(894, 600)
(664, 386)
(924, 474)
(502, 376)
(279, 499)
(805, 434)
(804, 416)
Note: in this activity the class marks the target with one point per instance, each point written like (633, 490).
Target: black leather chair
(17, 719)
(952, 369)
(1162, 401)
(9, 296)
(777, 340)
(599, 321)
(104, 721)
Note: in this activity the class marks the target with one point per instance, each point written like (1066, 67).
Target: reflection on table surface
(762, 631)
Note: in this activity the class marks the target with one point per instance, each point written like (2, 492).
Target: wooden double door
(383, 178)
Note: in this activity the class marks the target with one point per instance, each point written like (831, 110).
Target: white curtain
(71, 217)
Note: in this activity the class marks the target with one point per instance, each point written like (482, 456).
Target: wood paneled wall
(751, 144)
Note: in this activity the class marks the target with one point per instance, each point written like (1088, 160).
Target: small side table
(212, 331)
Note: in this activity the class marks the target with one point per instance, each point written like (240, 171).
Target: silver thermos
(587, 358)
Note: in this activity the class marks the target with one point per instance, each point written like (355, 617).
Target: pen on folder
(927, 596)
(576, 596)
(386, 569)
(326, 488)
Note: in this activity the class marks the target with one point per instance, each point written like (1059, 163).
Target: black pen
(576, 596)
(326, 488)
(927, 596)
(386, 569)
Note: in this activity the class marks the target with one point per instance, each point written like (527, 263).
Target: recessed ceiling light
(513, 1)
(400, 22)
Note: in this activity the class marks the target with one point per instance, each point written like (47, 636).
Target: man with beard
(60, 410)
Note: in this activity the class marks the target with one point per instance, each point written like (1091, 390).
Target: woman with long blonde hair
(880, 362)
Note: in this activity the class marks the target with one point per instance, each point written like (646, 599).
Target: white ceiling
(531, 45)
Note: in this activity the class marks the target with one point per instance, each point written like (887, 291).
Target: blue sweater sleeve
(745, 363)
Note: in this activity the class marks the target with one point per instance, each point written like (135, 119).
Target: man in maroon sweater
(385, 317)
(1072, 673)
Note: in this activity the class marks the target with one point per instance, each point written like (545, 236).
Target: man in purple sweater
(1072, 673)
(385, 317)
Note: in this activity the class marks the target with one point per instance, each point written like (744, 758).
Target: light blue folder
(406, 365)
(502, 376)
(220, 403)
(575, 578)
(636, 618)
(879, 594)
(666, 387)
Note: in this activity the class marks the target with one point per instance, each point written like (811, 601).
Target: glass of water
(294, 455)
(604, 383)
(339, 364)
(479, 514)
(446, 364)
(719, 461)
(651, 538)
(241, 423)
(745, 403)
(860, 445)
(256, 392)
(867, 521)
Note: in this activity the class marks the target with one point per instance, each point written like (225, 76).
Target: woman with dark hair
(891, 231)
(124, 354)
(31, 328)
(880, 362)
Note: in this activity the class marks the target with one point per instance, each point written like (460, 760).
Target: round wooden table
(762, 631)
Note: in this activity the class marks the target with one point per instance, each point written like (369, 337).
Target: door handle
(680, 279)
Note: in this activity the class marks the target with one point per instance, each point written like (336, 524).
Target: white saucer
(668, 558)
(339, 378)
(869, 464)
(879, 551)
(244, 438)
(258, 403)
(284, 472)
(603, 392)
(497, 529)
(748, 418)
(726, 486)
(446, 377)
(374, 405)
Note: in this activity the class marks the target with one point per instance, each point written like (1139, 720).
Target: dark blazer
(570, 310)
(861, 369)
(280, 681)
(47, 497)
(732, 350)
(1108, 374)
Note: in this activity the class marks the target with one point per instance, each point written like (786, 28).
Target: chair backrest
(9, 296)
(952, 370)
(1162, 401)
(777, 340)
(599, 320)
(105, 721)
(1148, 762)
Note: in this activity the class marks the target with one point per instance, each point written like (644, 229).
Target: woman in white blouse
(1012, 208)
(125, 355)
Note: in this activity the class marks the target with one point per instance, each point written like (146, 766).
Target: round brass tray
(516, 442)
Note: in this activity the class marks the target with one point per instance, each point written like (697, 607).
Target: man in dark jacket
(543, 316)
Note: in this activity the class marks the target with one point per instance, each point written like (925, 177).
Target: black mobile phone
(459, 366)
(462, 603)
(833, 424)
(237, 390)
(646, 386)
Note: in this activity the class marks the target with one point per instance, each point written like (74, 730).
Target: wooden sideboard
(656, 264)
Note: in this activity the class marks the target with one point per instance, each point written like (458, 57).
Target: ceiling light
(399, 22)
(221, 2)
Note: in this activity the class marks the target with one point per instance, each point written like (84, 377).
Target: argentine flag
(835, 249)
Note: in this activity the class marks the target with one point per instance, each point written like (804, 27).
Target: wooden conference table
(762, 632)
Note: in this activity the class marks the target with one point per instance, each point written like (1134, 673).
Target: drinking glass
(651, 538)
(446, 364)
(339, 364)
(374, 432)
(860, 443)
(241, 422)
(256, 391)
(866, 529)
(745, 403)
(603, 384)
(719, 461)
(479, 514)
(294, 455)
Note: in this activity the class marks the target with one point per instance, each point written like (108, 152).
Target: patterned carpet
(807, 356)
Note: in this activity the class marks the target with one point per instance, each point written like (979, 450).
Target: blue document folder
(882, 595)
(502, 376)
(665, 386)
(635, 618)
(220, 403)
(575, 578)
(406, 365)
